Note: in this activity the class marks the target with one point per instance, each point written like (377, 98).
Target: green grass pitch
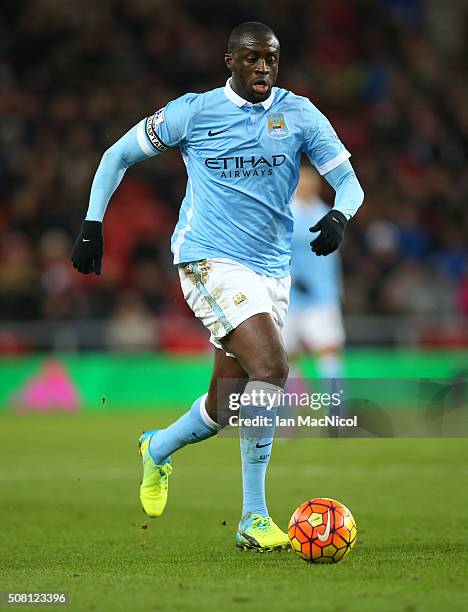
(71, 521)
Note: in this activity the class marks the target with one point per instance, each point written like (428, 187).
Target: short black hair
(253, 29)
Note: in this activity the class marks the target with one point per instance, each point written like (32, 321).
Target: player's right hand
(88, 249)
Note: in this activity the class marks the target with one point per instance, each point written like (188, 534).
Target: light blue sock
(256, 444)
(255, 453)
(194, 426)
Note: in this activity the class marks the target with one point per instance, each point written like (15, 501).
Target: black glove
(88, 248)
(331, 227)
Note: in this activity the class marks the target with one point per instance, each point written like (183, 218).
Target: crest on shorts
(239, 298)
(277, 127)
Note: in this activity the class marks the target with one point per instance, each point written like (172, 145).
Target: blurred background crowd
(75, 75)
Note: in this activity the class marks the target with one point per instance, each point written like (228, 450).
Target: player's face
(254, 67)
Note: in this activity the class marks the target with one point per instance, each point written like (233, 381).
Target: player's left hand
(331, 227)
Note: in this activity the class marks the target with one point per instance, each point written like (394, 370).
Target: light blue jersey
(242, 163)
(314, 280)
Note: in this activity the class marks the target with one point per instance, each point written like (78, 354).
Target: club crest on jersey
(277, 127)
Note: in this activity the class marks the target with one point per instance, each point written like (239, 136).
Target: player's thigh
(257, 353)
(258, 347)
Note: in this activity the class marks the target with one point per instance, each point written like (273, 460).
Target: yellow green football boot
(153, 487)
(260, 533)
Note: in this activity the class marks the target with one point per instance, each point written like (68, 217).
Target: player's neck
(239, 90)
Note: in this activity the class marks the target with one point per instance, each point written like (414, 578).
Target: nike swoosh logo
(210, 133)
(86, 239)
(323, 537)
(262, 445)
(335, 219)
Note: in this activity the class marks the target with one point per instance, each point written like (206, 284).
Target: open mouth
(260, 86)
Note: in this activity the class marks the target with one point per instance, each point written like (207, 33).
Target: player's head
(253, 58)
(308, 188)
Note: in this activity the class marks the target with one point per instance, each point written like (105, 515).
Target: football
(322, 530)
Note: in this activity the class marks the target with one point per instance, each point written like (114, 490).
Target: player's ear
(228, 60)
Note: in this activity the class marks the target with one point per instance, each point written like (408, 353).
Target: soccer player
(241, 144)
(314, 320)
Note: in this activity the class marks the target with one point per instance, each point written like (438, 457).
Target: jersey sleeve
(168, 127)
(321, 143)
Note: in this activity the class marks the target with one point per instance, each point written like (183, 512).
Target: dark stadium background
(74, 76)
(87, 363)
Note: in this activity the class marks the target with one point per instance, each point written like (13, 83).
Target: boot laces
(164, 471)
(261, 522)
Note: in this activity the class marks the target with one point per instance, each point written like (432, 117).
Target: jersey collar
(238, 101)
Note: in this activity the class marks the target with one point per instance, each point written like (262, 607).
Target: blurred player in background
(314, 323)
(241, 145)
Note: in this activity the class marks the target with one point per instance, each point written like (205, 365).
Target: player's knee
(272, 368)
